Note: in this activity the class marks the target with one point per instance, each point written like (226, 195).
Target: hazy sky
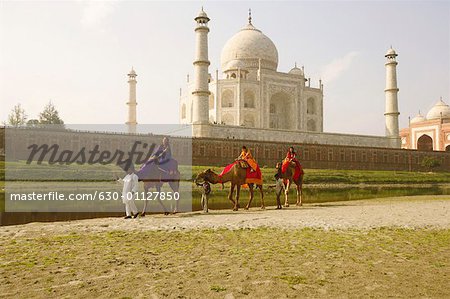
(77, 55)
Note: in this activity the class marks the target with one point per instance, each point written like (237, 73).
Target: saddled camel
(236, 176)
(288, 176)
(155, 177)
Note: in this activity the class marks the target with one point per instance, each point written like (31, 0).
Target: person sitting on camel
(162, 155)
(246, 155)
(291, 156)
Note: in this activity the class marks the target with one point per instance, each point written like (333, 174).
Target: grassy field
(257, 263)
(320, 185)
(21, 171)
(331, 176)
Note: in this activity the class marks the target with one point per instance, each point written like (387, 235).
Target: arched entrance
(425, 143)
(281, 111)
(447, 148)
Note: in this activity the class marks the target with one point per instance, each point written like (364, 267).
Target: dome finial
(295, 64)
(132, 73)
(250, 16)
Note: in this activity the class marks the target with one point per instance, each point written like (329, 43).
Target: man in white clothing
(130, 188)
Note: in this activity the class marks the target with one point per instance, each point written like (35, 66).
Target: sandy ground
(408, 212)
(359, 249)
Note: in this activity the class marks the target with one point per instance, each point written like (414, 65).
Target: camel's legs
(263, 206)
(158, 189)
(230, 195)
(238, 191)
(146, 188)
(175, 186)
(250, 188)
(286, 200)
(299, 192)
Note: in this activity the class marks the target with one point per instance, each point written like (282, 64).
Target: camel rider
(246, 155)
(163, 153)
(291, 156)
(162, 156)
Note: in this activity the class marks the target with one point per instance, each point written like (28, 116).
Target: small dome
(132, 72)
(234, 65)
(418, 119)
(250, 45)
(202, 14)
(390, 52)
(439, 109)
(296, 71)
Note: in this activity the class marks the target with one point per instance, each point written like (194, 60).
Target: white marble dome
(418, 119)
(390, 52)
(202, 14)
(438, 109)
(296, 71)
(249, 45)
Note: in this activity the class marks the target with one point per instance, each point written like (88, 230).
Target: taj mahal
(252, 100)
(252, 92)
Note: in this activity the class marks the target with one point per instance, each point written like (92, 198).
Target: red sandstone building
(430, 133)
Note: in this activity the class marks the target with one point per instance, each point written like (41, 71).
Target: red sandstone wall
(219, 152)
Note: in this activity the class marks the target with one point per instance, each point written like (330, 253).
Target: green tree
(17, 117)
(33, 123)
(431, 163)
(50, 116)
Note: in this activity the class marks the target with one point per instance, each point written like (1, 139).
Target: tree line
(48, 116)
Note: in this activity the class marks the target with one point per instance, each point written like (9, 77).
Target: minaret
(200, 94)
(131, 123)
(391, 111)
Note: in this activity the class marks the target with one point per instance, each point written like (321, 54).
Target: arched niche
(311, 125)
(425, 143)
(227, 98)
(311, 106)
(249, 120)
(228, 119)
(249, 99)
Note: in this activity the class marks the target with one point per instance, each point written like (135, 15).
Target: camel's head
(206, 175)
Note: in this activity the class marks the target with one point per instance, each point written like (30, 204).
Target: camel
(155, 177)
(288, 176)
(236, 176)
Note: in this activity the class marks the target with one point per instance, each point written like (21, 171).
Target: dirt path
(411, 212)
(117, 258)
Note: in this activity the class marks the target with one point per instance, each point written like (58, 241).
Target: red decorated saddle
(252, 177)
(298, 168)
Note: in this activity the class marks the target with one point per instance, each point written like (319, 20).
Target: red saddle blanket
(298, 169)
(252, 177)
